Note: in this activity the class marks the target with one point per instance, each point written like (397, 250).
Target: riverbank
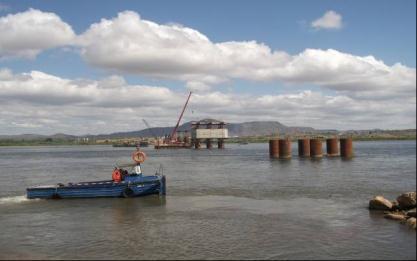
(242, 140)
(265, 139)
(376, 135)
(43, 143)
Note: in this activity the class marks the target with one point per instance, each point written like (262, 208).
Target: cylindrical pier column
(316, 148)
(346, 147)
(285, 149)
(197, 143)
(220, 143)
(209, 144)
(332, 147)
(274, 149)
(304, 147)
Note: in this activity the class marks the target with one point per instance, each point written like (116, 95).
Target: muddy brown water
(221, 204)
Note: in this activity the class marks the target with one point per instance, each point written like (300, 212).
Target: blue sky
(385, 30)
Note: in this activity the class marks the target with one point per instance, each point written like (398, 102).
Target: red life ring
(138, 156)
(116, 175)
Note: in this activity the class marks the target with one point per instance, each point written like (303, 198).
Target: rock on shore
(411, 213)
(393, 216)
(403, 209)
(407, 200)
(411, 222)
(380, 203)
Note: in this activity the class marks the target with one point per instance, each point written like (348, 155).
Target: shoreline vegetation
(371, 136)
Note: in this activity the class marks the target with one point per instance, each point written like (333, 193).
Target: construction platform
(173, 146)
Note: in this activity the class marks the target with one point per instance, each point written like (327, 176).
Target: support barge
(123, 184)
(131, 186)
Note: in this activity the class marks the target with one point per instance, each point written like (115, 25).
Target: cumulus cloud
(40, 88)
(42, 103)
(27, 33)
(330, 20)
(176, 52)
(354, 75)
(5, 74)
(363, 89)
(129, 44)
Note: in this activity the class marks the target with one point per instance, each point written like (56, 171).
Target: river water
(221, 204)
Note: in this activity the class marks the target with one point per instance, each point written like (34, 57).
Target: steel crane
(149, 128)
(173, 136)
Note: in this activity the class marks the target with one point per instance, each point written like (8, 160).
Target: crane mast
(150, 129)
(173, 136)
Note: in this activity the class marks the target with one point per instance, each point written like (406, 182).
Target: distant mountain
(150, 132)
(253, 128)
(62, 136)
(28, 137)
(256, 128)
(23, 137)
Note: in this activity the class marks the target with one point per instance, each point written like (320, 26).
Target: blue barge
(132, 185)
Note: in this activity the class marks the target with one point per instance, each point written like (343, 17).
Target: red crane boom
(174, 131)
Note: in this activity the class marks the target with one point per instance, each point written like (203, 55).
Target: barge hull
(99, 189)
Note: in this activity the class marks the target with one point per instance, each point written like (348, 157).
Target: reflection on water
(221, 204)
(128, 211)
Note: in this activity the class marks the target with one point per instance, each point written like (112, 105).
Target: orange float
(116, 175)
(138, 156)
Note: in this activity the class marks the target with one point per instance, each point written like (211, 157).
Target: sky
(94, 67)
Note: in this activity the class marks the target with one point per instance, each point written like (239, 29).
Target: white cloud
(130, 44)
(352, 75)
(43, 103)
(28, 33)
(40, 88)
(363, 89)
(197, 86)
(330, 20)
(175, 52)
(5, 74)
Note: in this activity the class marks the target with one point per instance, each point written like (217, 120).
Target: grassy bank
(249, 139)
(263, 139)
(43, 142)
